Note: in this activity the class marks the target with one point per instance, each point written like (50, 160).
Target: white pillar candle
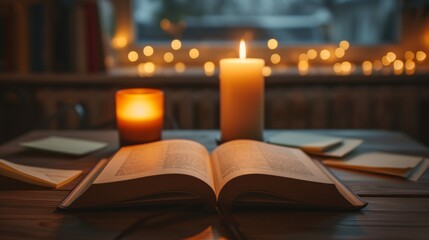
(241, 97)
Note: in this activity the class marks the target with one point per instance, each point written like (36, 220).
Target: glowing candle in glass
(139, 115)
(241, 97)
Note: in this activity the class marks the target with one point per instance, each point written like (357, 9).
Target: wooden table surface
(398, 209)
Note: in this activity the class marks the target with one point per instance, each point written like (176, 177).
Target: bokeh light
(272, 44)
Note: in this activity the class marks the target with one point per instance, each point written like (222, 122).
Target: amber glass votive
(139, 115)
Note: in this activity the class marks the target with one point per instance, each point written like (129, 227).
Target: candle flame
(242, 49)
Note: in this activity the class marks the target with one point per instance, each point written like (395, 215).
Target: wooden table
(398, 209)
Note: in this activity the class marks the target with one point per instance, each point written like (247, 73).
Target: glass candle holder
(139, 115)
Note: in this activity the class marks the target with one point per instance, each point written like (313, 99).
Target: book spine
(21, 36)
(100, 42)
(4, 34)
(62, 32)
(80, 39)
(36, 15)
(48, 36)
(91, 34)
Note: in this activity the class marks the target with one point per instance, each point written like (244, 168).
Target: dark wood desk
(398, 209)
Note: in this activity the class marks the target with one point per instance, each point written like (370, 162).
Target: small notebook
(65, 145)
(46, 177)
(406, 166)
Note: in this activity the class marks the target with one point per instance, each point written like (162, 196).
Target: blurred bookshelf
(49, 36)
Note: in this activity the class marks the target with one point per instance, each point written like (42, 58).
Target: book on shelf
(51, 36)
(236, 173)
(36, 36)
(12, 173)
(405, 166)
(315, 144)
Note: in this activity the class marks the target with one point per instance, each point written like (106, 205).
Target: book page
(242, 157)
(163, 157)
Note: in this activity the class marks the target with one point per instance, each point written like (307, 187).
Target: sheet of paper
(384, 160)
(305, 141)
(341, 150)
(406, 166)
(37, 175)
(64, 145)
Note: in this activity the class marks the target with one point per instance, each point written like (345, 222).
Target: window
(287, 21)
(293, 36)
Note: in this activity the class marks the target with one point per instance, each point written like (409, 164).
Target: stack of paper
(316, 144)
(46, 177)
(410, 167)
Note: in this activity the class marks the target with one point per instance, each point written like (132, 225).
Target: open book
(237, 172)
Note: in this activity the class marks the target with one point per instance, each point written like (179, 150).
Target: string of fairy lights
(396, 63)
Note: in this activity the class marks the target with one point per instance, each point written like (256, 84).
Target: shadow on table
(298, 223)
(110, 224)
(12, 184)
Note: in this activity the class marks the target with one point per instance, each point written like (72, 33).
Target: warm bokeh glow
(311, 54)
(180, 67)
(303, 67)
(367, 65)
(367, 68)
(409, 55)
(176, 44)
(339, 52)
(133, 56)
(119, 42)
(168, 57)
(242, 49)
(398, 67)
(303, 57)
(344, 44)
(337, 68)
(209, 68)
(272, 44)
(194, 53)
(391, 57)
(385, 61)
(149, 67)
(165, 24)
(410, 67)
(410, 64)
(421, 56)
(275, 58)
(325, 54)
(148, 51)
(398, 64)
(266, 71)
(378, 65)
(346, 67)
